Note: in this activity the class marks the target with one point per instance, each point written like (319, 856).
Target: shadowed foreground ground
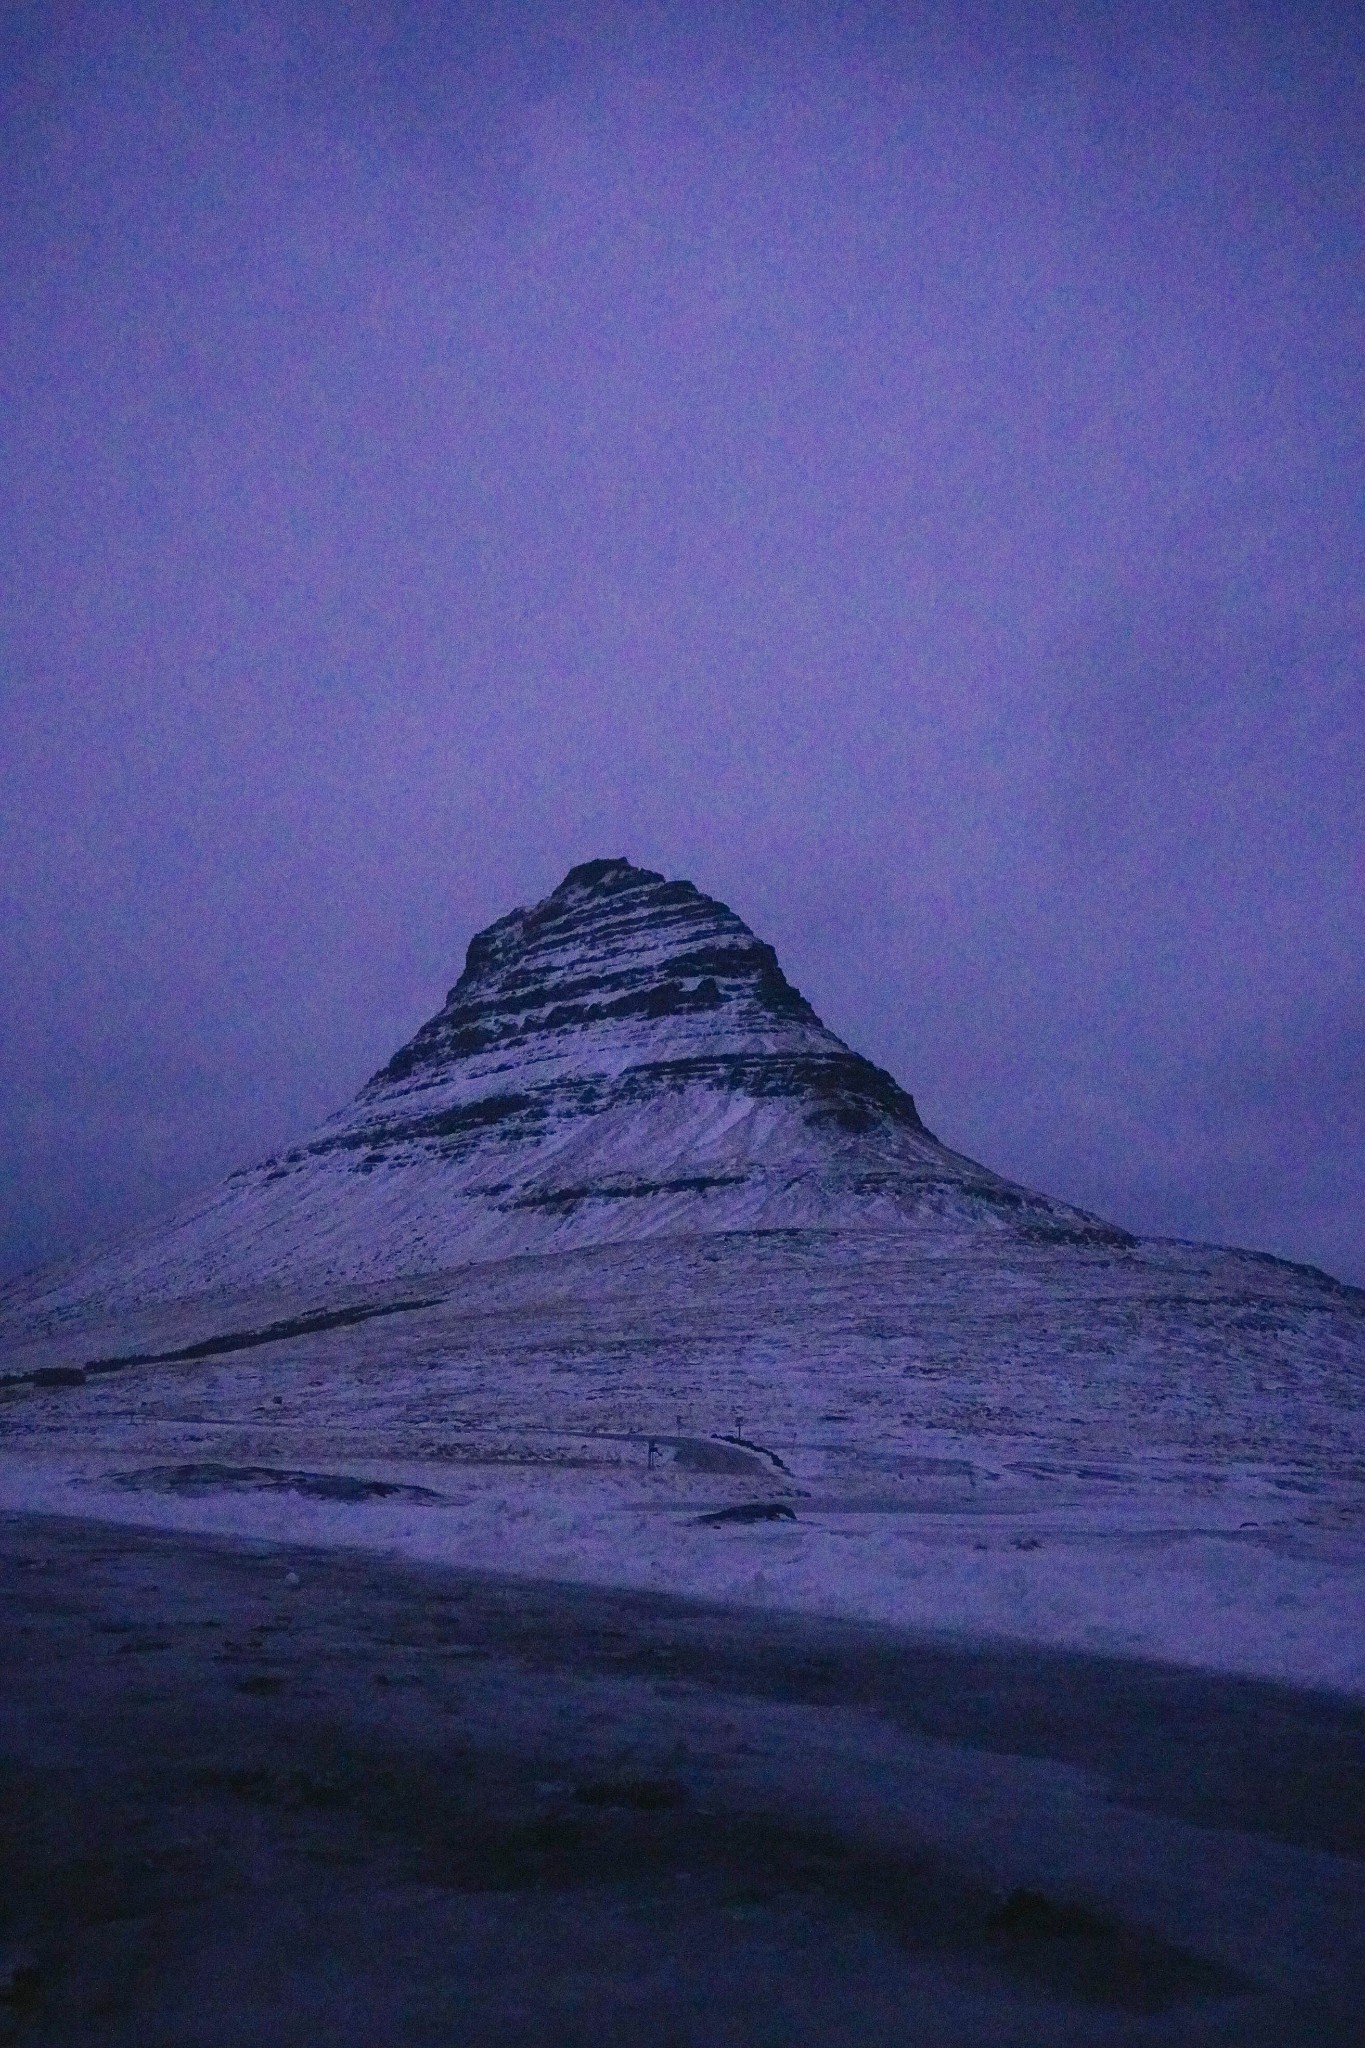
(258, 1796)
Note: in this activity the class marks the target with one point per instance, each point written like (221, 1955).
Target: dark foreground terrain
(253, 1796)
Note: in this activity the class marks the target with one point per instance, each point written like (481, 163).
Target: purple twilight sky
(901, 468)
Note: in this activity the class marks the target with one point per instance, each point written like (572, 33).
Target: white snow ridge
(625, 1236)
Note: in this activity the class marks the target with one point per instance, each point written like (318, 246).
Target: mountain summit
(621, 986)
(623, 1060)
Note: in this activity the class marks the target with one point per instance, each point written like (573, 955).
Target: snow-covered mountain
(624, 1060)
(624, 1237)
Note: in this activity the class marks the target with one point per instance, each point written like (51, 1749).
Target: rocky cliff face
(619, 988)
(623, 1060)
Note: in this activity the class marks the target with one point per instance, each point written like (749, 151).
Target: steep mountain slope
(622, 1061)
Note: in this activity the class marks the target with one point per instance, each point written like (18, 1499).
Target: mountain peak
(620, 970)
(623, 1059)
(606, 876)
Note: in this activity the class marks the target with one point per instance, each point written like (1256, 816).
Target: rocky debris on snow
(748, 1512)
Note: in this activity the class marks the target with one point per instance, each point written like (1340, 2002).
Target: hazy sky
(899, 468)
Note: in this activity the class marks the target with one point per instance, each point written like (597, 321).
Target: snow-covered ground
(1150, 1576)
(1157, 1451)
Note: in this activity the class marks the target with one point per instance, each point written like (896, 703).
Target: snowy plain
(988, 1440)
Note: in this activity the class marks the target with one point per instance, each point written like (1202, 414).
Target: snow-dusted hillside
(1156, 1449)
(625, 1060)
